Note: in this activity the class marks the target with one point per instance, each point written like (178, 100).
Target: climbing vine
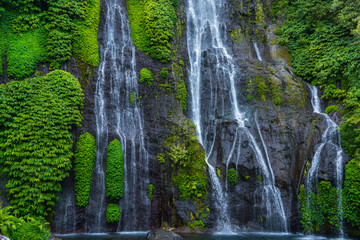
(85, 156)
(36, 116)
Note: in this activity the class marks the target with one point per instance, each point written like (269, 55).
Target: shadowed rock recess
(142, 93)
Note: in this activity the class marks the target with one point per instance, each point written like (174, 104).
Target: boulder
(3, 237)
(162, 234)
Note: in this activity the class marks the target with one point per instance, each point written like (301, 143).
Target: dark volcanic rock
(162, 234)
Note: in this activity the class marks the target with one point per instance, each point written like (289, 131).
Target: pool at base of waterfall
(216, 236)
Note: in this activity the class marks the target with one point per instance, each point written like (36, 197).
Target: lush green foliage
(164, 72)
(233, 176)
(19, 229)
(146, 76)
(187, 156)
(151, 191)
(324, 43)
(331, 109)
(351, 193)
(86, 47)
(180, 87)
(319, 211)
(113, 213)
(33, 32)
(35, 142)
(152, 26)
(115, 171)
(85, 155)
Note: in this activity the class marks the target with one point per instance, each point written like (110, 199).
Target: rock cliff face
(277, 109)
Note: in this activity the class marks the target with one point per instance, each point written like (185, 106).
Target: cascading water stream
(258, 55)
(117, 114)
(331, 136)
(207, 53)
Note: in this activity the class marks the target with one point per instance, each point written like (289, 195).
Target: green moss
(249, 97)
(180, 87)
(164, 72)
(331, 109)
(233, 176)
(275, 91)
(151, 191)
(86, 47)
(132, 97)
(259, 13)
(161, 157)
(152, 26)
(36, 116)
(85, 155)
(113, 213)
(261, 88)
(259, 178)
(115, 171)
(146, 76)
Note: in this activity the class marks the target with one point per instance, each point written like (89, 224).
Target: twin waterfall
(212, 68)
(215, 105)
(116, 113)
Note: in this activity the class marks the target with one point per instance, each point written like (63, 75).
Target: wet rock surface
(162, 234)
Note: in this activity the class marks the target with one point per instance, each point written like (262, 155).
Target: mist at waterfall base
(242, 236)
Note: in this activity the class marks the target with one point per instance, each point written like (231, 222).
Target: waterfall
(331, 136)
(212, 67)
(258, 55)
(118, 115)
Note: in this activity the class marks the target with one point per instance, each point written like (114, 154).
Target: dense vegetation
(85, 155)
(19, 228)
(188, 158)
(152, 26)
(115, 171)
(34, 32)
(36, 116)
(324, 42)
(319, 210)
(113, 213)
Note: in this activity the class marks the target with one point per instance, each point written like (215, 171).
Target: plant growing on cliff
(151, 191)
(114, 171)
(233, 176)
(146, 76)
(152, 26)
(85, 155)
(352, 193)
(113, 213)
(188, 158)
(36, 116)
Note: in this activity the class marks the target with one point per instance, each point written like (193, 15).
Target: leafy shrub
(233, 176)
(352, 193)
(331, 109)
(31, 229)
(321, 214)
(151, 191)
(85, 155)
(19, 229)
(113, 213)
(146, 76)
(115, 171)
(36, 116)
